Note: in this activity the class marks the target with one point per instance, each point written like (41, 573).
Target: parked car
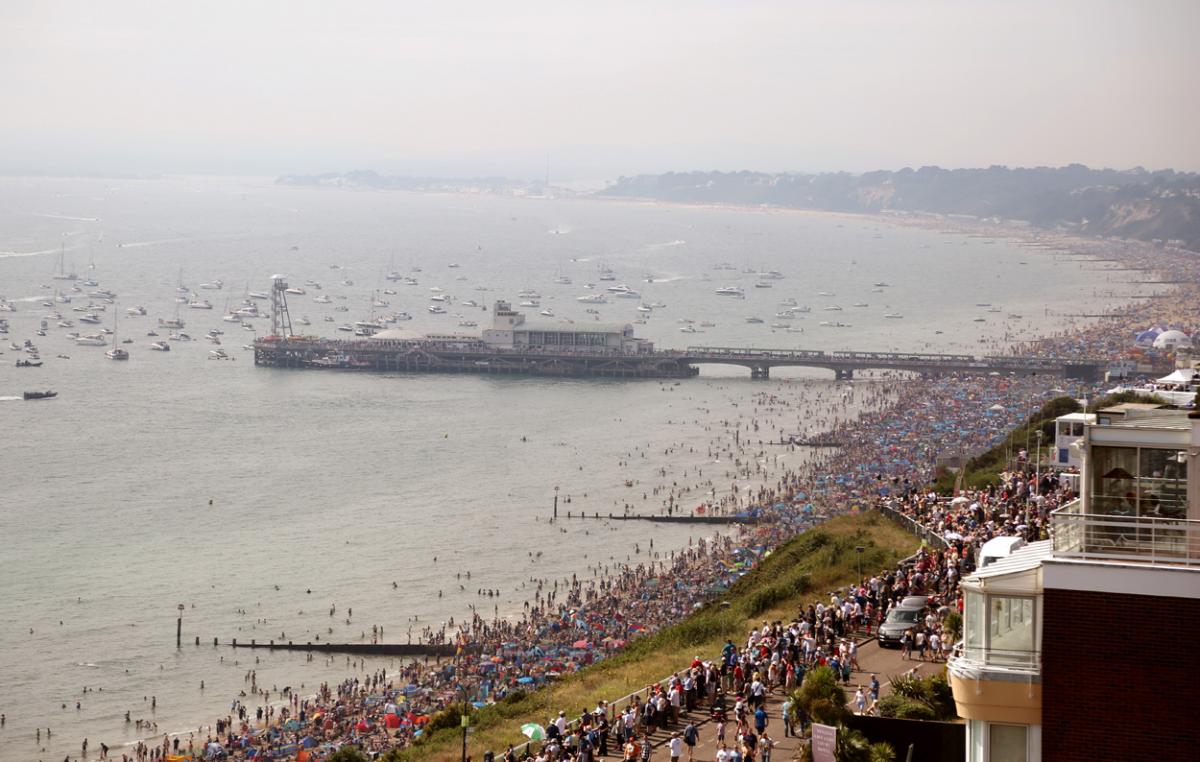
(897, 621)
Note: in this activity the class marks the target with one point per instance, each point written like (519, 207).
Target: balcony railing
(1145, 539)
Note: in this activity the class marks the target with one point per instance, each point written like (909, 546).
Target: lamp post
(179, 627)
(466, 723)
(1037, 466)
(556, 502)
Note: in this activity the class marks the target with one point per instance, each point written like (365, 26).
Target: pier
(465, 355)
(675, 518)
(364, 649)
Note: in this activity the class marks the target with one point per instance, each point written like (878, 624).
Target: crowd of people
(884, 457)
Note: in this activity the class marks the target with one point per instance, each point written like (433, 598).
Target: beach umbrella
(579, 644)
(292, 725)
(525, 680)
(533, 731)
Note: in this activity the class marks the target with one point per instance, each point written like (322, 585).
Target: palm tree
(820, 697)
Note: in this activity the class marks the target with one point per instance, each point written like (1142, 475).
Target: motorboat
(563, 280)
(295, 291)
(346, 327)
(893, 316)
(200, 304)
(592, 299)
(89, 317)
(65, 324)
(833, 308)
(690, 329)
(231, 317)
(762, 284)
(789, 302)
(46, 395)
(135, 311)
(218, 354)
(707, 324)
(258, 295)
(172, 323)
(779, 325)
(160, 346)
(730, 291)
(91, 340)
(861, 304)
(530, 303)
(116, 353)
(305, 321)
(213, 338)
(645, 308)
(444, 298)
(771, 275)
(528, 294)
(29, 363)
(752, 319)
(437, 309)
(619, 289)
(401, 316)
(547, 312)
(179, 336)
(469, 303)
(630, 294)
(216, 285)
(467, 324)
(322, 299)
(785, 315)
(881, 284)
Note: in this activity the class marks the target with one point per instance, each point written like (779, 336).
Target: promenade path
(882, 662)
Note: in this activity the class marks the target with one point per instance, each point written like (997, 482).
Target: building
(509, 330)
(1068, 432)
(1082, 646)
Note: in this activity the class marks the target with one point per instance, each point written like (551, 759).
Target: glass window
(973, 625)
(1114, 474)
(1007, 743)
(1010, 629)
(1077, 429)
(1162, 483)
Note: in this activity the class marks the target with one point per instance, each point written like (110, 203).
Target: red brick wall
(1119, 677)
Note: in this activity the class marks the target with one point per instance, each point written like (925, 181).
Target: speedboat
(861, 304)
(179, 336)
(90, 317)
(218, 354)
(730, 291)
(893, 316)
(833, 308)
(322, 299)
(160, 346)
(591, 299)
(752, 319)
(216, 285)
(436, 309)
(200, 304)
(46, 395)
(346, 327)
(116, 353)
(91, 340)
(294, 291)
(547, 312)
(231, 317)
(258, 295)
(133, 311)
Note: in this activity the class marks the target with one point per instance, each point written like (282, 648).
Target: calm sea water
(173, 478)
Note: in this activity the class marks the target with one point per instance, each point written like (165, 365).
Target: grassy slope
(802, 570)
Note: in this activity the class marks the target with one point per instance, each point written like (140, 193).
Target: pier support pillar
(760, 372)
(844, 374)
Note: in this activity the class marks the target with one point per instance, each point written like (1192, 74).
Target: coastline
(825, 461)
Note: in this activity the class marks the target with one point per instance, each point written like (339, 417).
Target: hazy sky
(603, 88)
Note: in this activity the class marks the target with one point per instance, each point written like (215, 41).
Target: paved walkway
(884, 663)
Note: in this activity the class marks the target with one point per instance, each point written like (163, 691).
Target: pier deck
(438, 356)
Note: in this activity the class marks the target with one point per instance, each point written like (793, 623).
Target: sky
(597, 89)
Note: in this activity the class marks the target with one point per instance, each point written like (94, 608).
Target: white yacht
(216, 285)
(92, 340)
(591, 299)
(200, 304)
(89, 317)
(160, 346)
(133, 311)
(437, 309)
(730, 291)
(295, 291)
(833, 308)
(258, 295)
(547, 312)
(620, 288)
(218, 354)
(322, 299)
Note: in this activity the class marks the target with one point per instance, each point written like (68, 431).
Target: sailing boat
(175, 322)
(62, 273)
(116, 353)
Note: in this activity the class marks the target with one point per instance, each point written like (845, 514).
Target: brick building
(1082, 647)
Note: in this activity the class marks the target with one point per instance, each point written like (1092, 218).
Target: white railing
(1146, 539)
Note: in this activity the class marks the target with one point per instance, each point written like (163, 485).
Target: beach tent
(1172, 340)
(1179, 376)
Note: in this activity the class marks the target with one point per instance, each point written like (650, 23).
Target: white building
(509, 329)
(1068, 431)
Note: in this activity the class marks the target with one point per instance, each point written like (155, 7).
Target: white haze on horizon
(602, 89)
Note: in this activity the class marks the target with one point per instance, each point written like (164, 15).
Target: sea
(252, 501)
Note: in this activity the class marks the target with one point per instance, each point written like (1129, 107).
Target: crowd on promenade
(886, 457)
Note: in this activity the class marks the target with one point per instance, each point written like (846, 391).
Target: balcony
(1116, 537)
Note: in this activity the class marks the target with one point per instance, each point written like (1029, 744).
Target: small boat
(980, 320)
(467, 324)
(218, 354)
(90, 317)
(752, 319)
(294, 291)
(200, 304)
(762, 285)
(825, 293)
(305, 321)
(708, 324)
(46, 395)
(29, 363)
(689, 329)
(160, 346)
(173, 323)
(591, 299)
(645, 308)
(322, 299)
(402, 316)
(893, 316)
(179, 336)
(730, 291)
(116, 353)
(135, 311)
(795, 329)
(231, 317)
(547, 312)
(216, 285)
(833, 308)
(258, 295)
(526, 303)
(881, 284)
(435, 309)
(779, 325)
(861, 304)
(346, 327)
(91, 340)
